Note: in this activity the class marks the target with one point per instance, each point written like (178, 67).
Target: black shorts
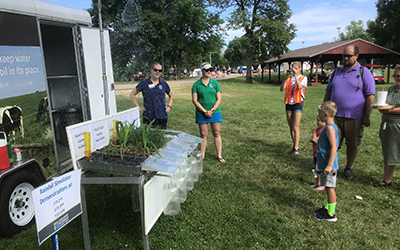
(160, 123)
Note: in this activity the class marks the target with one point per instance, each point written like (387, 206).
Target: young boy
(327, 159)
(314, 139)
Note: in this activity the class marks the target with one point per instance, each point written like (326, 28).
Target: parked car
(267, 70)
(377, 72)
(139, 76)
(234, 70)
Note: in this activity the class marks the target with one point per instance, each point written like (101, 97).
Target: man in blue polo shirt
(154, 90)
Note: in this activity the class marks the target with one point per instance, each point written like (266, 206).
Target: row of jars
(182, 181)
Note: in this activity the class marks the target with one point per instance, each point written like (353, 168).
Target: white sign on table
(57, 203)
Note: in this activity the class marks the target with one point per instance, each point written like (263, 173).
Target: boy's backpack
(360, 73)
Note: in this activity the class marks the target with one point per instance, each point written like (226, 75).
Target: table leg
(85, 221)
(146, 245)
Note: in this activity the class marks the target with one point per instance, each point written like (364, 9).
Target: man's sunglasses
(159, 70)
(348, 56)
(209, 70)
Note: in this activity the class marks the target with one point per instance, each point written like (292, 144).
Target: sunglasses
(159, 70)
(348, 56)
(396, 76)
(209, 70)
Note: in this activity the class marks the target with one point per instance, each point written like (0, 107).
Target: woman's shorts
(297, 107)
(202, 119)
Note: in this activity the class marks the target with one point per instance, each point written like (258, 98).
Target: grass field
(260, 198)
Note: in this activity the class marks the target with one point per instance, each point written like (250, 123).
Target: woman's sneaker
(294, 151)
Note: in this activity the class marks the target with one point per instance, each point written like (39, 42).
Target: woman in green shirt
(206, 96)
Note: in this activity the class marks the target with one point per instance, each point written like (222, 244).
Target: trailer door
(93, 71)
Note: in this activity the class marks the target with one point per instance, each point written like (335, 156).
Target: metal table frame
(138, 180)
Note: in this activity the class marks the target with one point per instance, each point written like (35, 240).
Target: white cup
(381, 97)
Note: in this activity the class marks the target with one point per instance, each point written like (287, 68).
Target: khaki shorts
(350, 129)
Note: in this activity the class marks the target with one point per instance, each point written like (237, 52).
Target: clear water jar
(172, 204)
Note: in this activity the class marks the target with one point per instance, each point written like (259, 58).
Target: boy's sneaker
(326, 216)
(294, 151)
(321, 210)
(348, 172)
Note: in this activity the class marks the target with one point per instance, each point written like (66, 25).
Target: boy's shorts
(329, 180)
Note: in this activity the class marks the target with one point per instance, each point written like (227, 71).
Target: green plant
(123, 135)
(146, 136)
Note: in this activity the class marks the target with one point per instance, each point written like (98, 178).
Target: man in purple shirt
(353, 92)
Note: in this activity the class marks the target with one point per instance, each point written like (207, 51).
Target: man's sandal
(383, 184)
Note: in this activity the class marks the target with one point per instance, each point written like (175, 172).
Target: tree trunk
(249, 56)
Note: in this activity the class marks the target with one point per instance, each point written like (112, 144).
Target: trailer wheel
(16, 203)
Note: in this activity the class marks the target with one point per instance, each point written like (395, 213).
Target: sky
(316, 21)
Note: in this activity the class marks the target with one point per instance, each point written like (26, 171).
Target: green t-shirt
(207, 95)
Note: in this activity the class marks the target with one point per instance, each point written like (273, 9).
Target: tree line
(184, 33)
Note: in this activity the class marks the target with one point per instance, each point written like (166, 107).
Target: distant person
(352, 89)
(154, 90)
(327, 160)
(295, 89)
(206, 97)
(171, 73)
(390, 132)
(314, 139)
(185, 72)
(175, 73)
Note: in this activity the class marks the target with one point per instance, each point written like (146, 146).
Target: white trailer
(50, 64)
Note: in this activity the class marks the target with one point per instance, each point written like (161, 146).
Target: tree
(385, 30)
(235, 53)
(145, 31)
(192, 29)
(266, 26)
(356, 30)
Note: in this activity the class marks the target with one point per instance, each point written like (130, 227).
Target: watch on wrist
(212, 110)
(169, 106)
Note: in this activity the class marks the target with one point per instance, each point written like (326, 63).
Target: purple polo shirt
(345, 92)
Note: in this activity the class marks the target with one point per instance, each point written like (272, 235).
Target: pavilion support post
(269, 73)
(388, 73)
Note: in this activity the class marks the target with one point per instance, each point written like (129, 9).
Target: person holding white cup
(389, 132)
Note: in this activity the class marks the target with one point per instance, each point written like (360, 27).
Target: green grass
(260, 198)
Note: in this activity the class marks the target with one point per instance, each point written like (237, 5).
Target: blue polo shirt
(154, 98)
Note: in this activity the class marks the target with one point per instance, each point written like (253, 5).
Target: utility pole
(210, 56)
